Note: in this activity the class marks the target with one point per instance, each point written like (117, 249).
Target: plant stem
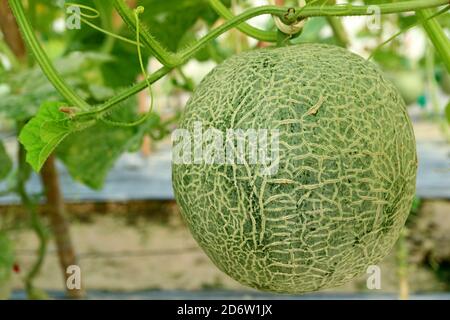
(436, 35)
(188, 52)
(433, 92)
(261, 35)
(162, 54)
(338, 29)
(47, 67)
(32, 5)
(165, 70)
(172, 59)
(363, 10)
(18, 52)
(155, 76)
(55, 202)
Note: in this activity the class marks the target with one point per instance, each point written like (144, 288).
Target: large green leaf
(44, 132)
(5, 162)
(91, 153)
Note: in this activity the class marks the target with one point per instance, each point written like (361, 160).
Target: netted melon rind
(351, 168)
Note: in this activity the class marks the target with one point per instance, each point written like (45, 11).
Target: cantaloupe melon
(346, 171)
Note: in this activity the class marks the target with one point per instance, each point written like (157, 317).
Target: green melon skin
(346, 176)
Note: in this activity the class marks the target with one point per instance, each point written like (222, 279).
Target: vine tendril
(171, 60)
(139, 10)
(94, 16)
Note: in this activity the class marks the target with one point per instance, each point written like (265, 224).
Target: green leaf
(90, 154)
(44, 132)
(5, 162)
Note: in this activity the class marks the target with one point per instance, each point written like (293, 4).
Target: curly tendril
(84, 18)
(95, 12)
(139, 10)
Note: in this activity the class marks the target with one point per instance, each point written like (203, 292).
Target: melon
(346, 168)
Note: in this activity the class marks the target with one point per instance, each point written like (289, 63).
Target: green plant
(84, 116)
(97, 101)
